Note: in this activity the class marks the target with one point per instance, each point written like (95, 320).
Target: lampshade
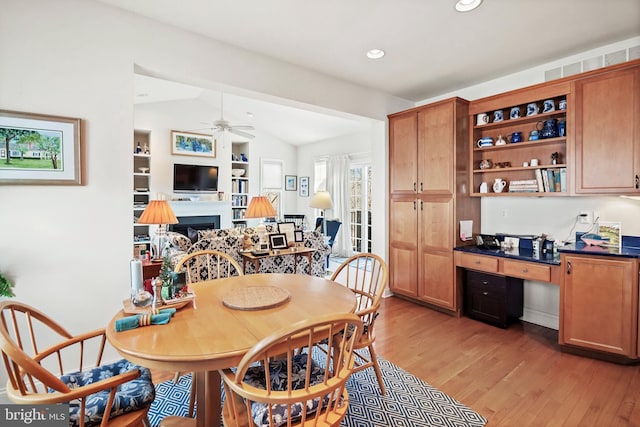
(158, 212)
(260, 207)
(321, 200)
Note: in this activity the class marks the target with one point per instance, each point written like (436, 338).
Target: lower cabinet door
(598, 307)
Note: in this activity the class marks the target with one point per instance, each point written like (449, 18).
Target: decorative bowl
(237, 172)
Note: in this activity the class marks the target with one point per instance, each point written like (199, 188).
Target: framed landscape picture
(613, 231)
(40, 149)
(192, 144)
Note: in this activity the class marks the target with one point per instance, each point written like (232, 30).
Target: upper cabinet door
(403, 136)
(436, 148)
(607, 133)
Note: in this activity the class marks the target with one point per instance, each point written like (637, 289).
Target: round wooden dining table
(217, 329)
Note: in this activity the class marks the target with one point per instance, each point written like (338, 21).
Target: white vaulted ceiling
(430, 48)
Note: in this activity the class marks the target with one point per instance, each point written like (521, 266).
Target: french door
(360, 207)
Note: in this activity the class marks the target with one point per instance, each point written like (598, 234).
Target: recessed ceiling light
(249, 114)
(467, 5)
(375, 54)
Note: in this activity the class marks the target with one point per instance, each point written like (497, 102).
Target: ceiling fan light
(467, 5)
(375, 53)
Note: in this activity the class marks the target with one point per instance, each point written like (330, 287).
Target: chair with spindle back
(37, 353)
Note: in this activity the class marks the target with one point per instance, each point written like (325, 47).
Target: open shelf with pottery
(532, 130)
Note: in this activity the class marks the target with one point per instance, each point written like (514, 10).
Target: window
(320, 176)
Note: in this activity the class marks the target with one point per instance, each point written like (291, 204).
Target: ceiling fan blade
(243, 127)
(241, 133)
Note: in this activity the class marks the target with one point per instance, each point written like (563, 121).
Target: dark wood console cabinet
(493, 299)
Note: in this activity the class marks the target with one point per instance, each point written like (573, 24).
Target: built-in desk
(522, 264)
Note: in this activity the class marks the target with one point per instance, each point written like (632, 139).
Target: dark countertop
(630, 248)
(517, 254)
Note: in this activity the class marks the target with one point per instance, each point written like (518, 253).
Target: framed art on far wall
(40, 149)
(304, 186)
(290, 182)
(192, 144)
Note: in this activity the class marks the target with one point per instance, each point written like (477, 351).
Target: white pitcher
(499, 185)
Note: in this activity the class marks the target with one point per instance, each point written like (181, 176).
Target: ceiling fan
(222, 125)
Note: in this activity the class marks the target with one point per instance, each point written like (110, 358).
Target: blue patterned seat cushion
(130, 396)
(255, 377)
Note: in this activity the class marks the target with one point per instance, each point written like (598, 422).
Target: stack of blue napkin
(132, 322)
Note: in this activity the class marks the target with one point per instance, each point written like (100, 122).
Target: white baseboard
(541, 318)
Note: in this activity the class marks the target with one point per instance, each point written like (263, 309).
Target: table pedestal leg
(208, 398)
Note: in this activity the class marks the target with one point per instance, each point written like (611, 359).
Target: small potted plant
(5, 287)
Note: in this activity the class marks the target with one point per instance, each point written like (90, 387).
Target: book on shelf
(551, 180)
(524, 185)
(539, 181)
(545, 179)
(563, 179)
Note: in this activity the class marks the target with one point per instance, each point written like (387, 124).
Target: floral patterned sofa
(230, 241)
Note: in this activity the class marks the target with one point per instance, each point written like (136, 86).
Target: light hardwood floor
(515, 377)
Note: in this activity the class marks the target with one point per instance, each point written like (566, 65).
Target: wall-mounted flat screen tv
(195, 178)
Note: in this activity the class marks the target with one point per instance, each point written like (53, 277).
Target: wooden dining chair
(203, 265)
(47, 365)
(366, 275)
(208, 264)
(274, 384)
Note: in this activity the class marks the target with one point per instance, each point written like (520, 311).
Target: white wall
(67, 249)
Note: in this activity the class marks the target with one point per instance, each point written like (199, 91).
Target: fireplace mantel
(205, 207)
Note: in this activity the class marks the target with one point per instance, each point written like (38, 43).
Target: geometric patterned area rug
(409, 402)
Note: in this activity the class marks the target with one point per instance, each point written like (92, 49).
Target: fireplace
(196, 222)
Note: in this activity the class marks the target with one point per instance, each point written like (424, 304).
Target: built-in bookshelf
(239, 183)
(141, 188)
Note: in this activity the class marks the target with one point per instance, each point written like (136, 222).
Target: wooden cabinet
(493, 299)
(507, 161)
(607, 131)
(599, 304)
(428, 181)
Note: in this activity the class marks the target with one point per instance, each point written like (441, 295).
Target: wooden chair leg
(192, 395)
(376, 368)
(176, 377)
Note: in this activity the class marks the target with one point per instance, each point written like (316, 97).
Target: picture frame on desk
(613, 231)
(288, 229)
(278, 241)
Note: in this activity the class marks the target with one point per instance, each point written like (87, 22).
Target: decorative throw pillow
(278, 371)
(193, 234)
